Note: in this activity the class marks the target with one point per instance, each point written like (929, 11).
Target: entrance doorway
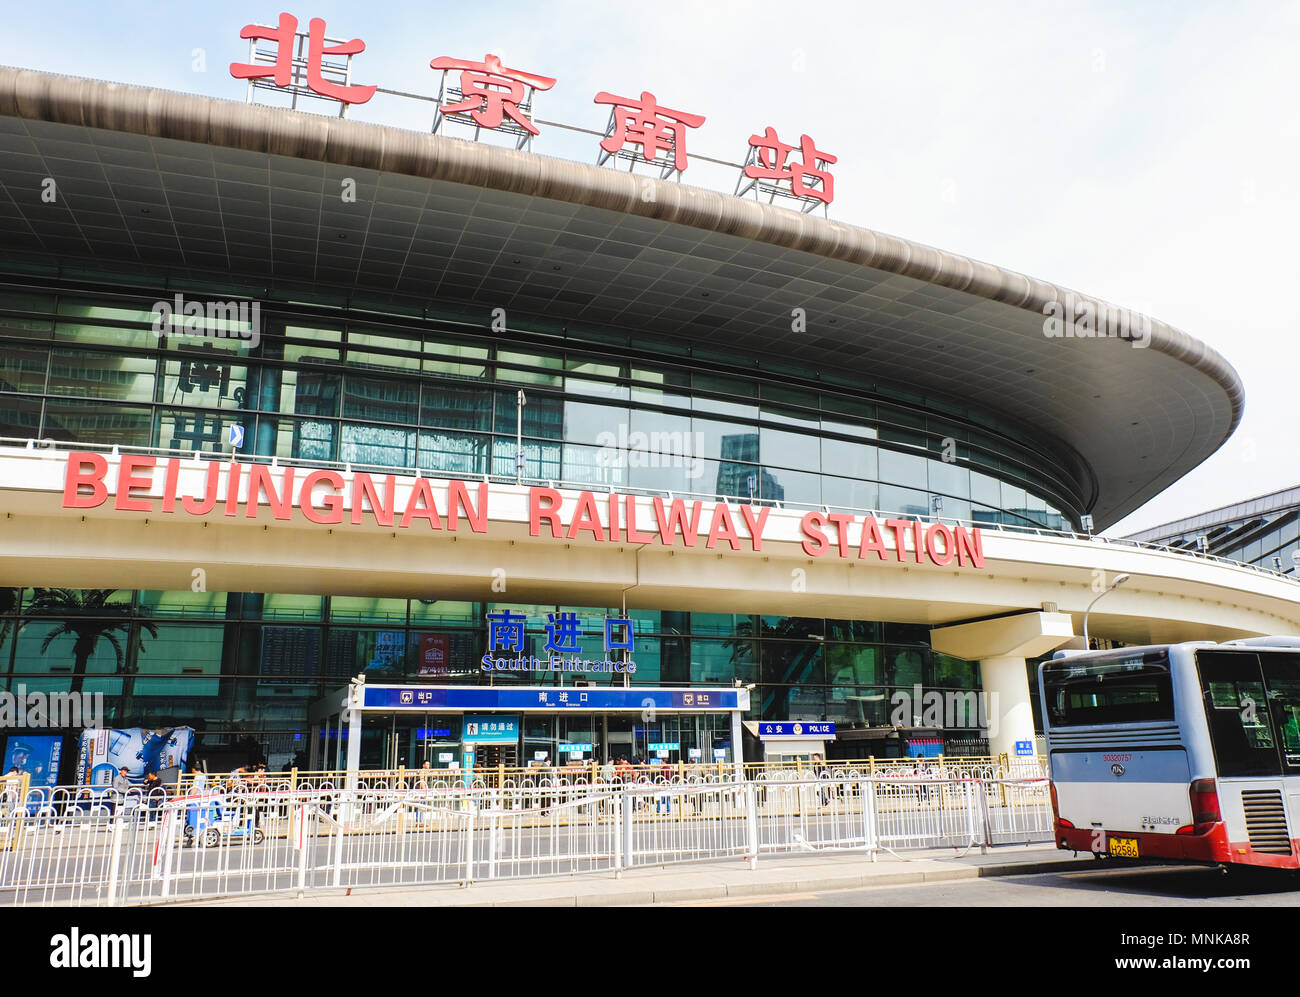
(492, 755)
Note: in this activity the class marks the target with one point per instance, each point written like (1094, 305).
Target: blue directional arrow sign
(236, 436)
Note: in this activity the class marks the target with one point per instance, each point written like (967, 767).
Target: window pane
(541, 460)
(197, 605)
(595, 465)
(904, 501)
(450, 406)
(455, 360)
(596, 424)
(1237, 708)
(543, 415)
(1282, 675)
(723, 660)
(793, 450)
(850, 460)
(845, 494)
(22, 368)
(364, 609)
(309, 392)
(97, 422)
(190, 652)
(949, 479)
(908, 470)
(382, 399)
(378, 446)
(790, 486)
(208, 381)
(105, 335)
(177, 429)
(454, 453)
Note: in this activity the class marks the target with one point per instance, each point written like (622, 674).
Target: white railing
(136, 850)
(55, 446)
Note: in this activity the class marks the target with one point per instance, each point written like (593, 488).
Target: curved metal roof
(221, 186)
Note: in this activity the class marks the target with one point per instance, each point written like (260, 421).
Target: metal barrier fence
(108, 851)
(592, 774)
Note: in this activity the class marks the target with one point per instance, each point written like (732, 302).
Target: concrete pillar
(1002, 646)
(354, 746)
(1010, 714)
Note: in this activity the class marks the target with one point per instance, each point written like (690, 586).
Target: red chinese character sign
(770, 170)
(490, 96)
(653, 128)
(298, 63)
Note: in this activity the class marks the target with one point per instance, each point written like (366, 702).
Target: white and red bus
(1181, 751)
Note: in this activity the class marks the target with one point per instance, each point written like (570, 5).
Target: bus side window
(1282, 677)
(1237, 709)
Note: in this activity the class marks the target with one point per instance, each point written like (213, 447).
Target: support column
(737, 754)
(354, 746)
(1002, 646)
(1010, 712)
(338, 744)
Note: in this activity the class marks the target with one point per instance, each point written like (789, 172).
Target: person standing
(121, 786)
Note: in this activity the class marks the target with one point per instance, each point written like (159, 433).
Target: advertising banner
(105, 750)
(435, 655)
(37, 756)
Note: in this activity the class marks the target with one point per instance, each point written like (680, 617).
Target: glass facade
(242, 665)
(1269, 539)
(399, 386)
(440, 394)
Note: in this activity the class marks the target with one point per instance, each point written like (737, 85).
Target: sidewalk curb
(616, 893)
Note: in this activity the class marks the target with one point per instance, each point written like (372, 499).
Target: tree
(88, 617)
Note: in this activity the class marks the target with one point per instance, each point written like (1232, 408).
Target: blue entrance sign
(490, 729)
(569, 749)
(666, 746)
(1024, 748)
(796, 728)
(551, 699)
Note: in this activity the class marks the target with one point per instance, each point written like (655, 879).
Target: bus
(1182, 751)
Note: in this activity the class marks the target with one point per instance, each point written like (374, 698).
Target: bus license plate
(1124, 848)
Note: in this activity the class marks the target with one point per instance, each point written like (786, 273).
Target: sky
(1144, 153)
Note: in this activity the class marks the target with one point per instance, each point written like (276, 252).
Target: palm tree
(87, 616)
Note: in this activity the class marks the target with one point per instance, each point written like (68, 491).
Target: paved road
(1104, 886)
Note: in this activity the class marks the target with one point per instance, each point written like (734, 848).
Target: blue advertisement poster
(37, 756)
(105, 750)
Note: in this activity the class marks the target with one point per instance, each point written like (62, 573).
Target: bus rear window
(1110, 690)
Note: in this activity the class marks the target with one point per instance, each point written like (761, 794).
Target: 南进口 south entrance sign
(552, 699)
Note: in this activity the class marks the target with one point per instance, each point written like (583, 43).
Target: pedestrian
(200, 783)
(664, 801)
(121, 786)
(155, 793)
(823, 775)
(924, 773)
